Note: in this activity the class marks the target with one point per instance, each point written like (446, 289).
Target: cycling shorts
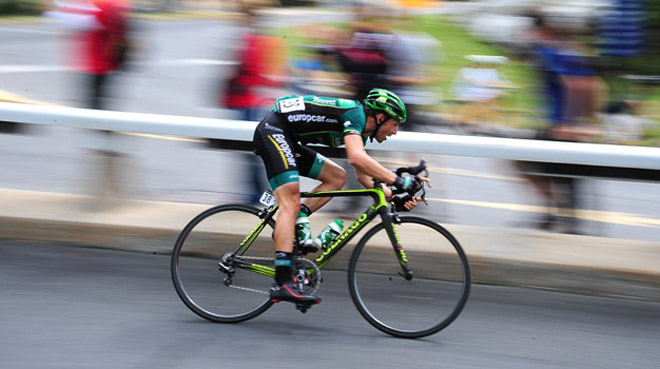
(285, 159)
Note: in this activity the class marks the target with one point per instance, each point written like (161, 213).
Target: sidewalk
(511, 257)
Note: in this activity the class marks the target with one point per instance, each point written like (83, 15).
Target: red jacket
(96, 49)
(241, 90)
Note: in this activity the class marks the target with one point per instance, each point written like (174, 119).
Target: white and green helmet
(382, 100)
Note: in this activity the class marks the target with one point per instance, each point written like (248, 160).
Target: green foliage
(457, 43)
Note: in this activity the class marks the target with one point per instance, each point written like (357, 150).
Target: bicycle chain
(256, 258)
(249, 289)
(316, 283)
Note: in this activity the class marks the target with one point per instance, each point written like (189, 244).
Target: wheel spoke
(423, 305)
(211, 282)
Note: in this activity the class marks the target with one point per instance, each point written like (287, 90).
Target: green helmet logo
(381, 100)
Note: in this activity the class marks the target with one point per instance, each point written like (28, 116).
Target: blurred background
(583, 71)
(560, 70)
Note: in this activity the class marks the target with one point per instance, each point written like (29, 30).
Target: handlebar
(421, 167)
(419, 187)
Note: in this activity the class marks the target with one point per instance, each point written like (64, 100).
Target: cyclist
(280, 138)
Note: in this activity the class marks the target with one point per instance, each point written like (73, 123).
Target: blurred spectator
(364, 59)
(101, 43)
(404, 61)
(622, 28)
(627, 37)
(243, 90)
(413, 72)
(571, 91)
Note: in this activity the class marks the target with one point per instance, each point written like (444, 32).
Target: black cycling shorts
(285, 159)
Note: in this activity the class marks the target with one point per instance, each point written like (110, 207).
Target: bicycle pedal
(308, 249)
(303, 307)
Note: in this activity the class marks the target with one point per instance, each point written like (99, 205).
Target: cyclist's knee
(288, 197)
(333, 175)
(340, 179)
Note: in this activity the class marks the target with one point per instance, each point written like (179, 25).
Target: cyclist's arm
(365, 180)
(365, 166)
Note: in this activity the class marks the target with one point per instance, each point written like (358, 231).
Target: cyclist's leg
(288, 200)
(279, 156)
(316, 166)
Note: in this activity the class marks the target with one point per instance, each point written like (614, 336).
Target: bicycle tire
(428, 303)
(195, 271)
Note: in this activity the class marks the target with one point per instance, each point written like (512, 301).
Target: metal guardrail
(584, 154)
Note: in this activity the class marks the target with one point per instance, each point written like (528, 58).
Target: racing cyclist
(280, 140)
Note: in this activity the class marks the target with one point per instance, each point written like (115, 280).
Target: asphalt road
(69, 307)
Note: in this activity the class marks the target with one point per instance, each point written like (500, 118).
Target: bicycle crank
(306, 277)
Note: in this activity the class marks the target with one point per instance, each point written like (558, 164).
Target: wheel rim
(197, 277)
(423, 306)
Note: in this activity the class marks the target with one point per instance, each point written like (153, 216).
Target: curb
(529, 259)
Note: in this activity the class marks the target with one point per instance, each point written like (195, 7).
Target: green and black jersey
(281, 136)
(320, 120)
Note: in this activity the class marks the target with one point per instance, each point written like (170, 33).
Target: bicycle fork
(389, 221)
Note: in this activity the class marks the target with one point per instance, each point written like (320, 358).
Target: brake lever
(426, 175)
(423, 195)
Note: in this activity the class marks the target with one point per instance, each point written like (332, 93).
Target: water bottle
(329, 234)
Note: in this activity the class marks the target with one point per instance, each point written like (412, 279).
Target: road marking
(627, 219)
(469, 173)
(452, 171)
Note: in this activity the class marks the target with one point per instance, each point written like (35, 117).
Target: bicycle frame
(379, 207)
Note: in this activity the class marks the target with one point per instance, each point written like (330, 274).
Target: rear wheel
(425, 302)
(209, 279)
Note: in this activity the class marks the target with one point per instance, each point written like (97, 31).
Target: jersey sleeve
(354, 121)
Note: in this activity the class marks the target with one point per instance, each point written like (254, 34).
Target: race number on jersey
(292, 104)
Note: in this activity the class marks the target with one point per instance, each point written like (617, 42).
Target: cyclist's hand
(404, 184)
(386, 190)
(406, 203)
(409, 184)
(412, 203)
(422, 179)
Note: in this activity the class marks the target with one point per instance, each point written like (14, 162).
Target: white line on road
(627, 219)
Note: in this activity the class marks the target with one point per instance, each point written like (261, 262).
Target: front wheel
(211, 278)
(409, 307)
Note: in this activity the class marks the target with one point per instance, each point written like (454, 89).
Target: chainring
(306, 276)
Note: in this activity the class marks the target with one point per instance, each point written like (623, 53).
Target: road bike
(408, 276)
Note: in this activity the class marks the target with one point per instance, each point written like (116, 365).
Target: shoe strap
(335, 227)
